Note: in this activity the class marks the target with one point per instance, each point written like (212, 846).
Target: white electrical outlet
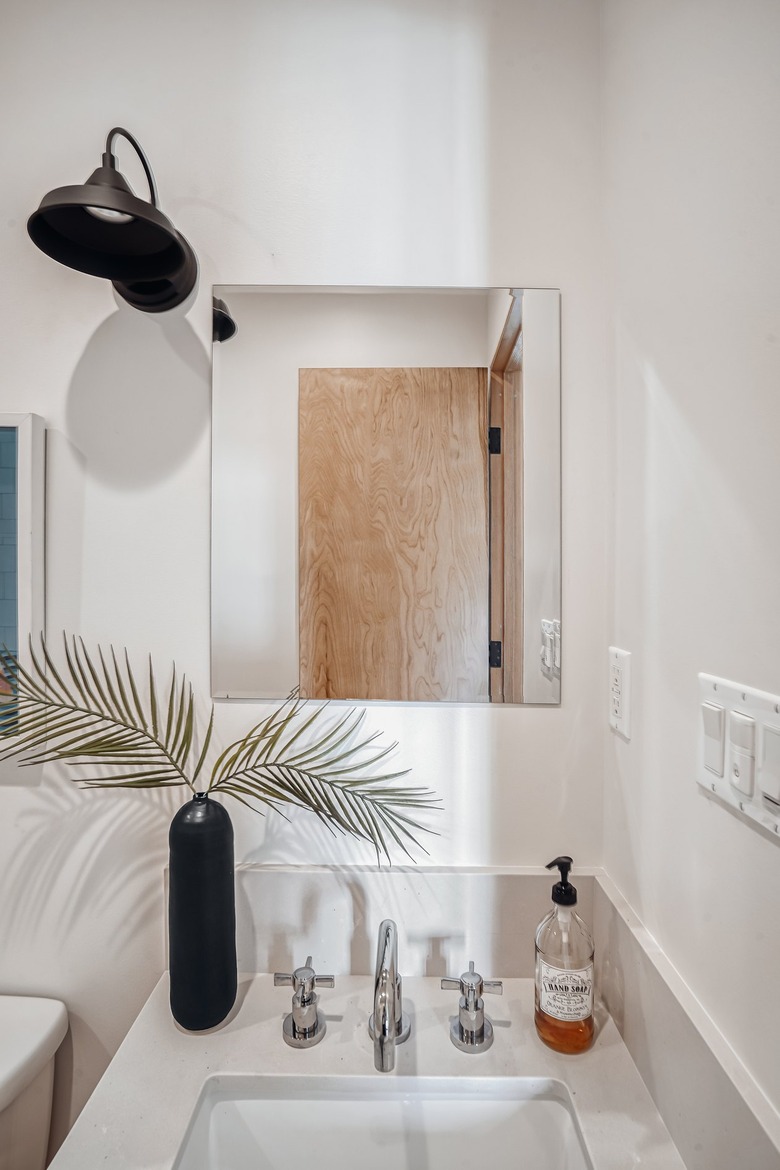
(620, 691)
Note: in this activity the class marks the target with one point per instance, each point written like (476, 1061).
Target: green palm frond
(90, 713)
(326, 767)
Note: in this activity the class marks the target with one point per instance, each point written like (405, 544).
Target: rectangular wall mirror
(386, 495)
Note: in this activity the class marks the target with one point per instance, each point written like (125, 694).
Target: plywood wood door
(393, 512)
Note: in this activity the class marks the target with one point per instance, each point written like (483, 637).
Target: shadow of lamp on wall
(102, 228)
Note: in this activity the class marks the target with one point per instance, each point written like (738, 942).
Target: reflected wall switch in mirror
(620, 691)
(550, 648)
(547, 648)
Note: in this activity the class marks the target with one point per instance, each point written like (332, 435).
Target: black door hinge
(494, 653)
(494, 440)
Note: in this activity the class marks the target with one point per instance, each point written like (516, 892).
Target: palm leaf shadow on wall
(91, 714)
(53, 886)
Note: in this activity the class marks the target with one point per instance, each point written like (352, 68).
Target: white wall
(692, 201)
(425, 142)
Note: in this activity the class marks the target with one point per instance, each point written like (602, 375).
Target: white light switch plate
(620, 691)
(742, 770)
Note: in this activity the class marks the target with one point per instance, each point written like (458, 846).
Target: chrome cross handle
(305, 1024)
(470, 1030)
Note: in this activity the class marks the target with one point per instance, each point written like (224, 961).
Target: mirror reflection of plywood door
(393, 511)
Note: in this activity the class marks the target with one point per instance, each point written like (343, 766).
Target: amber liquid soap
(564, 971)
(571, 1036)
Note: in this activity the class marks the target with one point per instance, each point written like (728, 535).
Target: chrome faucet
(388, 1024)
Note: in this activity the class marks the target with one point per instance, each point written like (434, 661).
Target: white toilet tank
(31, 1031)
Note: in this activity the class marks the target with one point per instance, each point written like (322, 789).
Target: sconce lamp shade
(104, 229)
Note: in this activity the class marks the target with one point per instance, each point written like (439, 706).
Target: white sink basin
(382, 1123)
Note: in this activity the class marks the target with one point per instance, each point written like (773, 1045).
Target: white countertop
(137, 1116)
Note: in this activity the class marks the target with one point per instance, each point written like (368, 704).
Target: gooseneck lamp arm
(109, 159)
(104, 229)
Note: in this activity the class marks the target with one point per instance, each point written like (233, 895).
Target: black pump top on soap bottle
(563, 892)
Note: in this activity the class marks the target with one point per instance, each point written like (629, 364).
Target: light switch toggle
(769, 772)
(713, 720)
(742, 752)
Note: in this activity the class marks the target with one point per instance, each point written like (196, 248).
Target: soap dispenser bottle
(564, 971)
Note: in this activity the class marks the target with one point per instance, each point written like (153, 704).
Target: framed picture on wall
(22, 511)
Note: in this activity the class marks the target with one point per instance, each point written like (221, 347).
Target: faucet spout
(388, 1025)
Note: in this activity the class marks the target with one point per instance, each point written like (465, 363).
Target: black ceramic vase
(201, 915)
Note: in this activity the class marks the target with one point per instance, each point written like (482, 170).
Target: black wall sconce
(104, 229)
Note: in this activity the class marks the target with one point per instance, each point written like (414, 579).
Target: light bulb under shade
(110, 216)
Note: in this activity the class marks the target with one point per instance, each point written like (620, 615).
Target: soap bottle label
(565, 995)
